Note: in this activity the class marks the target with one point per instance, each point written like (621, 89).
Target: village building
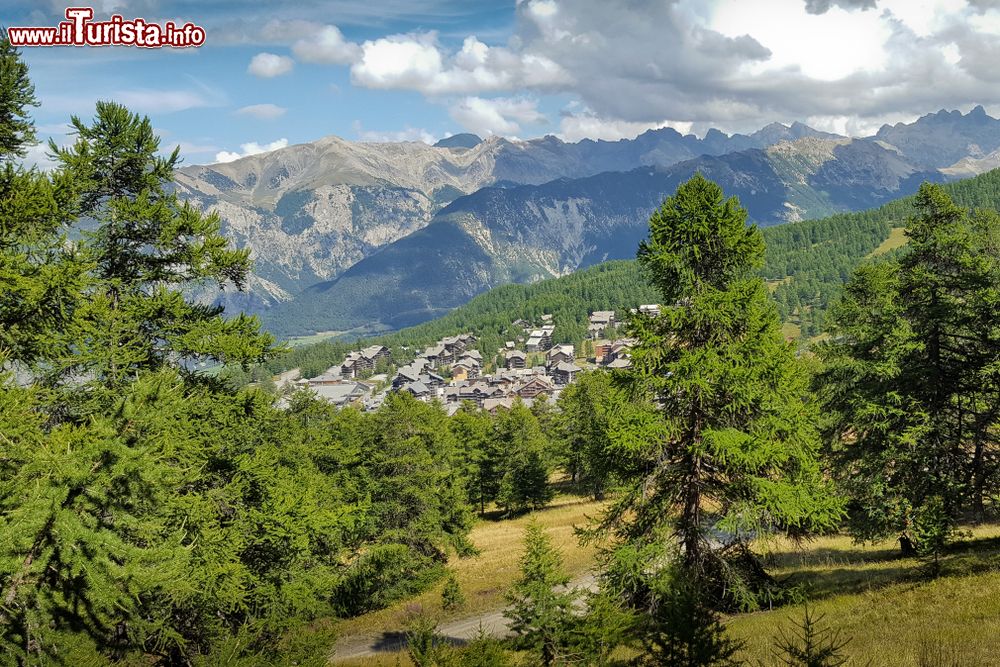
(344, 393)
(652, 309)
(534, 387)
(558, 354)
(602, 348)
(418, 390)
(515, 359)
(600, 322)
(565, 372)
(362, 363)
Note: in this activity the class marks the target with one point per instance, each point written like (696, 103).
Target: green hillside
(807, 262)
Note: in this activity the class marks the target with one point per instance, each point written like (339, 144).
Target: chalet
(652, 309)
(418, 390)
(473, 354)
(331, 376)
(534, 387)
(546, 317)
(600, 322)
(353, 366)
(620, 362)
(565, 372)
(465, 369)
(540, 339)
(515, 359)
(439, 355)
(560, 353)
(344, 393)
(362, 362)
(406, 375)
(431, 380)
(492, 405)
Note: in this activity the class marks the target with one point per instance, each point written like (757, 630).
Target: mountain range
(382, 235)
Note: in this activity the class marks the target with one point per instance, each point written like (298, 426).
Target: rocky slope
(525, 233)
(310, 211)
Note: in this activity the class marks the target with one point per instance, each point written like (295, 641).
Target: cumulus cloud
(326, 45)
(586, 125)
(262, 111)
(269, 65)
(504, 116)
(418, 62)
(250, 148)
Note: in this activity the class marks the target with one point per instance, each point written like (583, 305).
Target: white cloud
(269, 65)
(418, 62)
(586, 125)
(504, 116)
(250, 148)
(326, 45)
(262, 111)
(406, 134)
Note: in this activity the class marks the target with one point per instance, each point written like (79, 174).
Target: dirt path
(457, 631)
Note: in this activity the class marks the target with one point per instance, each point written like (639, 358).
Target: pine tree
(540, 609)
(41, 277)
(146, 248)
(17, 93)
(910, 382)
(584, 430)
(717, 445)
(524, 481)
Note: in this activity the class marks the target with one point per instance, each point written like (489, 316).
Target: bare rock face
(310, 211)
(351, 234)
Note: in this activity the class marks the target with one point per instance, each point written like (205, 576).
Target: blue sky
(276, 73)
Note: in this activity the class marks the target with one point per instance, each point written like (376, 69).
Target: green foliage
(717, 444)
(145, 247)
(584, 430)
(810, 645)
(909, 381)
(153, 515)
(452, 597)
(17, 93)
(540, 608)
(682, 629)
(525, 461)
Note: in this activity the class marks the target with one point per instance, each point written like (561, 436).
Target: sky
(278, 72)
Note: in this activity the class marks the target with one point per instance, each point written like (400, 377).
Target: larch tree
(911, 379)
(717, 444)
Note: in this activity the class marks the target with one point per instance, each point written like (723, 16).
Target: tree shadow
(393, 641)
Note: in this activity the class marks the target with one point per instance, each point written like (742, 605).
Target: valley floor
(890, 612)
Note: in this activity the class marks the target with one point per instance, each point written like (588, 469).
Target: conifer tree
(540, 607)
(910, 378)
(17, 93)
(717, 445)
(147, 247)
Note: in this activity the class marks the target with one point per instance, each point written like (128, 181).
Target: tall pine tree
(718, 445)
(911, 378)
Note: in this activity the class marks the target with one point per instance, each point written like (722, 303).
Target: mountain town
(531, 333)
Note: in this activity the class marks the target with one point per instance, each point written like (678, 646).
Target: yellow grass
(485, 578)
(897, 238)
(791, 331)
(890, 610)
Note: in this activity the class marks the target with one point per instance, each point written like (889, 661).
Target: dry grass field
(888, 608)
